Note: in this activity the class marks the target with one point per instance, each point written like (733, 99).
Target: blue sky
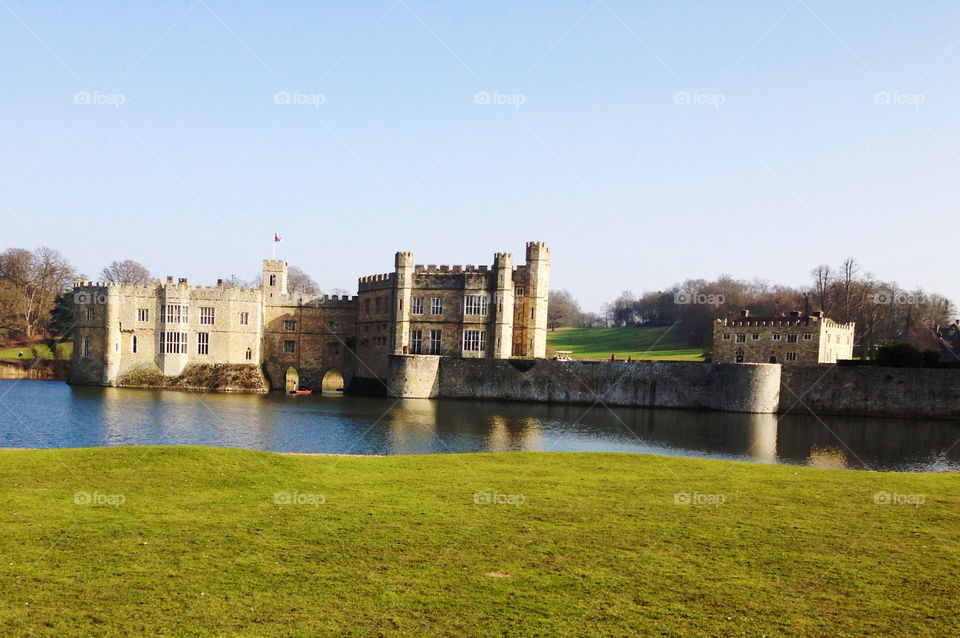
(647, 143)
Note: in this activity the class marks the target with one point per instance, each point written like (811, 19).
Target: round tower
(537, 298)
(403, 289)
(503, 306)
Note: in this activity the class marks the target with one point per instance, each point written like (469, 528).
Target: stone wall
(668, 384)
(871, 391)
(39, 369)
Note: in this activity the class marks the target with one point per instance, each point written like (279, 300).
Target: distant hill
(659, 343)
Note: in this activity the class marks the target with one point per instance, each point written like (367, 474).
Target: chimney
(169, 279)
(219, 282)
(182, 280)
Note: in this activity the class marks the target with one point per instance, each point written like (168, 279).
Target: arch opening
(332, 381)
(292, 379)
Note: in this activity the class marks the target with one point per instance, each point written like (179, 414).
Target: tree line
(883, 310)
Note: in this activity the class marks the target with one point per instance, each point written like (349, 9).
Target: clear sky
(647, 143)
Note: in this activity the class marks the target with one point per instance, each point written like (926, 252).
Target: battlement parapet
(376, 282)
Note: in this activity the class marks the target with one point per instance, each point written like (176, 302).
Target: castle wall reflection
(45, 414)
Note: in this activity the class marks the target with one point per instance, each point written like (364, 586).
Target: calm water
(38, 414)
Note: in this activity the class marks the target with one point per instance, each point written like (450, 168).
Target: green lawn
(588, 544)
(639, 343)
(43, 352)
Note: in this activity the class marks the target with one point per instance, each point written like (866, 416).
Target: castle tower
(503, 306)
(538, 294)
(274, 281)
(403, 288)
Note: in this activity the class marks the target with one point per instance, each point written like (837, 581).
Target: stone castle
(496, 312)
(794, 339)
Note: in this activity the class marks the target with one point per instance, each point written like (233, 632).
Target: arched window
(133, 344)
(249, 354)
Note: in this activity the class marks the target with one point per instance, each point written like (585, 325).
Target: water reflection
(45, 414)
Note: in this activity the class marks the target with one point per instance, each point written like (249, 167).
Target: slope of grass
(196, 541)
(639, 343)
(43, 351)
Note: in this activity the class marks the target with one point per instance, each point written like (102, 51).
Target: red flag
(276, 237)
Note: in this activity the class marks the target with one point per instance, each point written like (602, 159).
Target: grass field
(43, 352)
(189, 541)
(638, 343)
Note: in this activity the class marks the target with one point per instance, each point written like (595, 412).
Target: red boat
(302, 392)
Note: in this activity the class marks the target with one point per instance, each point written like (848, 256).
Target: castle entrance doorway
(293, 380)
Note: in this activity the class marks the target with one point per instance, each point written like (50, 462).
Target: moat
(38, 414)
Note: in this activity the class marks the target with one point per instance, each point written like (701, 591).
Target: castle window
(755, 336)
(791, 338)
(518, 349)
(133, 344)
(143, 314)
(377, 306)
(249, 355)
(436, 305)
(334, 326)
(366, 306)
(174, 313)
(518, 291)
(203, 343)
(289, 347)
(416, 305)
(807, 336)
(475, 305)
(435, 341)
(289, 326)
(273, 280)
(776, 336)
(726, 336)
(474, 340)
(791, 356)
(741, 338)
(85, 347)
(416, 341)
(91, 313)
(244, 318)
(173, 342)
(207, 316)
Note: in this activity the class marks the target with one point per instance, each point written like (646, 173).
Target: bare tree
(30, 281)
(300, 283)
(562, 310)
(127, 271)
(822, 278)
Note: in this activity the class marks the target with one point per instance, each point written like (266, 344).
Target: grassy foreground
(184, 541)
(639, 343)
